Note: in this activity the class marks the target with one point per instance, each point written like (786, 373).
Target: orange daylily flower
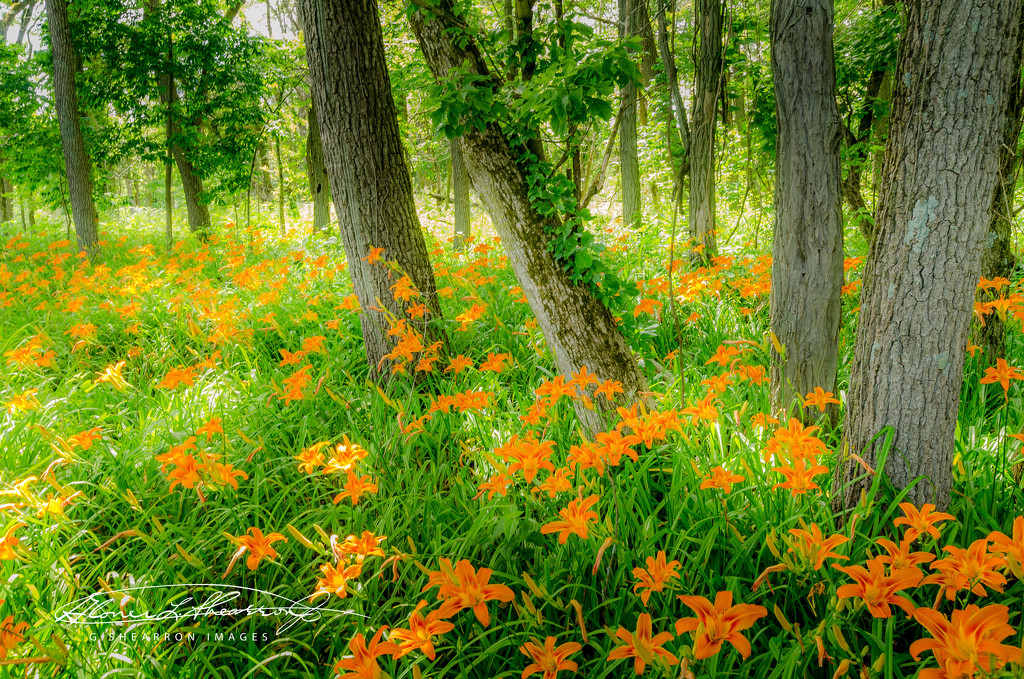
(84, 439)
(1001, 373)
(972, 568)
(720, 478)
(718, 623)
(497, 484)
(969, 641)
(312, 458)
(813, 547)
(1012, 549)
(575, 520)
(112, 376)
(921, 522)
(819, 398)
(258, 546)
(10, 634)
(549, 660)
(335, 580)
(643, 646)
(609, 388)
(723, 355)
(898, 557)
(363, 662)
(494, 362)
(878, 589)
(472, 589)
(799, 478)
(356, 487)
(558, 482)
(458, 364)
(344, 456)
(653, 578)
(212, 426)
(583, 378)
(556, 389)
(8, 541)
(365, 545)
(421, 633)
(528, 456)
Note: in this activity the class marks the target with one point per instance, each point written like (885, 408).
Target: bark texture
(578, 328)
(807, 250)
(939, 178)
(460, 195)
(365, 162)
(708, 62)
(77, 165)
(316, 172)
(997, 260)
(675, 96)
(629, 164)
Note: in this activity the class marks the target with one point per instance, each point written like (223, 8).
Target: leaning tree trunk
(460, 196)
(319, 187)
(578, 328)
(629, 164)
(939, 177)
(76, 160)
(708, 62)
(675, 96)
(365, 163)
(807, 250)
(997, 261)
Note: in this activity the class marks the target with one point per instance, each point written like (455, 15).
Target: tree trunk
(578, 328)
(319, 186)
(629, 164)
(365, 163)
(641, 24)
(6, 200)
(76, 160)
(675, 96)
(708, 62)
(939, 177)
(280, 182)
(807, 250)
(460, 188)
(997, 260)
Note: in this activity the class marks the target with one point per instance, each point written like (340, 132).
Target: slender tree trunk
(708, 61)
(77, 165)
(807, 250)
(675, 96)
(939, 177)
(6, 199)
(997, 260)
(578, 328)
(629, 164)
(460, 188)
(319, 186)
(280, 182)
(365, 163)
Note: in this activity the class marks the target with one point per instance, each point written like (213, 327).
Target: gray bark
(77, 165)
(365, 162)
(629, 164)
(675, 96)
(938, 180)
(807, 250)
(460, 196)
(578, 328)
(316, 172)
(708, 62)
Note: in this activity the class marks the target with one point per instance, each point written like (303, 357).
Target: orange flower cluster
(192, 468)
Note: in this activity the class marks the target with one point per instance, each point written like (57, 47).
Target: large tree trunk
(807, 250)
(629, 164)
(578, 328)
(997, 260)
(708, 62)
(365, 162)
(939, 178)
(76, 160)
(460, 197)
(316, 172)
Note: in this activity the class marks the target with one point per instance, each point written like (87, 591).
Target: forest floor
(200, 424)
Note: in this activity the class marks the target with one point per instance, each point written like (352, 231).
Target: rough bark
(708, 63)
(316, 172)
(578, 328)
(629, 164)
(77, 165)
(365, 163)
(807, 249)
(939, 178)
(460, 196)
(998, 260)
